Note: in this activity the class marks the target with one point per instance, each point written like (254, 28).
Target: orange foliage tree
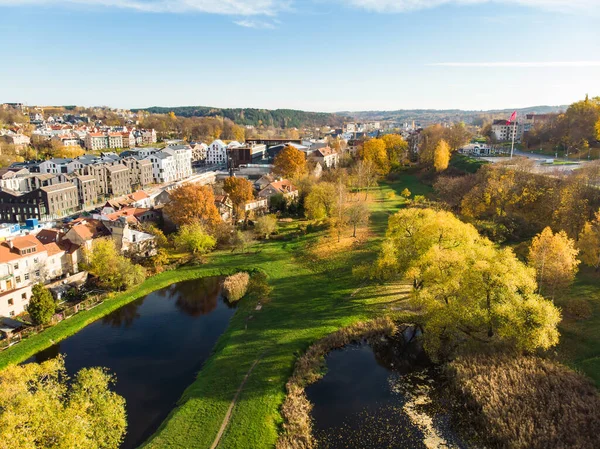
(290, 163)
(193, 203)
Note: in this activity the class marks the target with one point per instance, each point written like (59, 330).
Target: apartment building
(140, 171)
(87, 190)
(216, 152)
(118, 180)
(25, 261)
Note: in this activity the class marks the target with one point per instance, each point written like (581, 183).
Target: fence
(68, 312)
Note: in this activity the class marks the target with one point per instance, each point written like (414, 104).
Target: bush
(527, 402)
(235, 286)
(579, 308)
(258, 287)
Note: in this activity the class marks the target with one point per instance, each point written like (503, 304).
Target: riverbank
(36, 343)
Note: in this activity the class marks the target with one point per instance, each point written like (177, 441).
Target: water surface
(155, 346)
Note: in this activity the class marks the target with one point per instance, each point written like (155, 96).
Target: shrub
(527, 402)
(235, 286)
(258, 287)
(579, 308)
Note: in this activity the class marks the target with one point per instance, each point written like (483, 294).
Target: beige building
(118, 180)
(87, 190)
(140, 171)
(61, 199)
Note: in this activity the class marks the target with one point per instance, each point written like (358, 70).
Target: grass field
(580, 339)
(466, 163)
(311, 299)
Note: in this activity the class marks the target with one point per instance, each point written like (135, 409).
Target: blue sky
(322, 55)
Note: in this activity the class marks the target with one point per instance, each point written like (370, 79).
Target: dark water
(154, 346)
(360, 401)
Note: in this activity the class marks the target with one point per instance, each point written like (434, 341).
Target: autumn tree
(365, 174)
(374, 151)
(193, 203)
(42, 408)
(320, 202)
(457, 136)
(266, 225)
(358, 214)
(240, 190)
(468, 290)
(554, 258)
(112, 270)
(396, 148)
(441, 156)
(41, 307)
(290, 163)
(589, 243)
(193, 239)
(406, 193)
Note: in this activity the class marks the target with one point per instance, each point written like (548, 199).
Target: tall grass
(235, 286)
(527, 402)
(296, 408)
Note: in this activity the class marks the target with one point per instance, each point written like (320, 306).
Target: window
(18, 279)
(11, 302)
(12, 313)
(16, 266)
(37, 273)
(24, 296)
(26, 276)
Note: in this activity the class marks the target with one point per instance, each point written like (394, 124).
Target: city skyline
(315, 55)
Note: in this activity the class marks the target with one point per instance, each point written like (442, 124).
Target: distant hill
(427, 116)
(280, 118)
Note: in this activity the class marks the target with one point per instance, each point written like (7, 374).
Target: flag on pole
(513, 117)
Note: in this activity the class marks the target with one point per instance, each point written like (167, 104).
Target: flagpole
(512, 148)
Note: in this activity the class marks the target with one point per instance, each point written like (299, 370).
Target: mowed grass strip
(307, 304)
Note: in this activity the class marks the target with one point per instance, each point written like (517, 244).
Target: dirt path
(227, 418)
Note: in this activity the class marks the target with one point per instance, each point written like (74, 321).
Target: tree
(469, 291)
(457, 136)
(554, 258)
(41, 408)
(358, 214)
(290, 163)
(374, 151)
(396, 147)
(112, 270)
(589, 243)
(320, 202)
(240, 191)
(193, 238)
(193, 203)
(41, 306)
(441, 156)
(161, 239)
(366, 175)
(406, 193)
(266, 225)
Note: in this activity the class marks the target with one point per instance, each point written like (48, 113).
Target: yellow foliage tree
(193, 203)
(290, 163)
(374, 151)
(441, 156)
(554, 258)
(589, 243)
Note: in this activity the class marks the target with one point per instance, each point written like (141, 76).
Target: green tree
(42, 306)
(320, 202)
(193, 238)
(112, 270)
(554, 258)
(266, 225)
(41, 408)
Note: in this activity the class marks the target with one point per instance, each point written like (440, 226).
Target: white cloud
(257, 24)
(539, 64)
(227, 7)
(413, 5)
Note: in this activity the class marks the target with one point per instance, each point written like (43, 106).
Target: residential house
(199, 152)
(224, 206)
(282, 187)
(326, 156)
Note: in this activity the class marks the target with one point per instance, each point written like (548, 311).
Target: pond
(376, 396)
(155, 346)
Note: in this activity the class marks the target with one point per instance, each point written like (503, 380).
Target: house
(224, 206)
(256, 206)
(137, 244)
(282, 187)
(216, 153)
(20, 141)
(326, 156)
(25, 261)
(84, 230)
(199, 152)
(263, 182)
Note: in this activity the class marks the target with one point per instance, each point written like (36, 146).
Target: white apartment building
(164, 168)
(216, 153)
(25, 261)
(503, 131)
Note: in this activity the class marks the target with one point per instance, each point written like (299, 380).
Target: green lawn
(580, 339)
(466, 163)
(310, 300)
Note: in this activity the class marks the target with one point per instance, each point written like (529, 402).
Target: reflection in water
(155, 346)
(124, 316)
(379, 397)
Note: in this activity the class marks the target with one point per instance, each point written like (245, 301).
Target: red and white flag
(513, 117)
